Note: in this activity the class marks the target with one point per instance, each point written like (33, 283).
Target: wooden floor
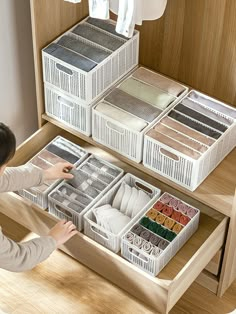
(62, 285)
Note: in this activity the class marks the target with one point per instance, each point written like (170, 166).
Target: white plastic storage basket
(110, 240)
(182, 169)
(41, 198)
(62, 211)
(121, 138)
(88, 86)
(147, 261)
(68, 110)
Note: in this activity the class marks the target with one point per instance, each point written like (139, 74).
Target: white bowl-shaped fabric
(140, 203)
(118, 197)
(132, 200)
(125, 198)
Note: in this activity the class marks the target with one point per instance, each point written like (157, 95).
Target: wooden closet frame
(216, 196)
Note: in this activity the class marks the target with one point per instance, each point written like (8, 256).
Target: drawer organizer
(120, 120)
(71, 199)
(58, 150)
(118, 209)
(159, 235)
(191, 139)
(86, 60)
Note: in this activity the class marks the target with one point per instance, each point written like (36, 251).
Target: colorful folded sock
(167, 210)
(158, 206)
(169, 223)
(160, 219)
(184, 220)
(170, 235)
(177, 228)
(152, 213)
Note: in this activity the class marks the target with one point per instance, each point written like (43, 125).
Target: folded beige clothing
(173, 144)
(160, 81)
(148, 93)
(121, 116)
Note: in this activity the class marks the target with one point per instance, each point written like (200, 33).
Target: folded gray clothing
(89, 190)
(200, 117)
(64, 201)
(93, 173)
(226, 110)
(154, 239)
(206, 111)
(137, 229)
(194, 125)
(70, 147)
(70, 57)
(75, 195)
(103, 167)
(105, 25)
(93, 53)
(133, 105)
(98, 36)
(64, 154)
(78, 179)
(163, 244)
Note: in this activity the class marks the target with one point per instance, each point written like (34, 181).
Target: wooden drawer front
(160, 292)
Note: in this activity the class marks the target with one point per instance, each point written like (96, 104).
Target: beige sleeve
(24, 256)
(23, 177)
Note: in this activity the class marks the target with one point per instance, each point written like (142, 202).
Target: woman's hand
(58, 171)
(62, 232)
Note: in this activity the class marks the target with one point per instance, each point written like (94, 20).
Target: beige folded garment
(150, 94)
(180, 127)
(160, 81)
(123, 117)
(180, 138)
(173, 144)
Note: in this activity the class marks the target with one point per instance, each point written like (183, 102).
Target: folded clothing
(123, 117)
(194, 125)
(159, 81)
(64, 154)
(96, 175)
(64, 201)
(74, 194)
(180, 127)
(94, 53)
(200, 117)
(70, 147)
(98, 36)
(70, 57)
(107, 169)
(173, 144)
(147, 93)
(132, 105)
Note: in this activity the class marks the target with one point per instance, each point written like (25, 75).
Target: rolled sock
(98, 185)
(138, 241)
(184, 220)
(137, 229)
(165, 198)
(163, 244)
(154, 239)
(170, 235)
(191, 212)
(145, 221)
(169, 223)
(78, 196)
(76, 207)
(145, 234)
(147, 247)
(78, 179)
(104, 178)
(161, 231)
(103, 167)
(158, 206)
(160, 219)
(129, 237)
(156, 251)
(50, 157)
(152, 213)
(177, 228)
(167, 210)
(153, 226)
(183, 208)
(174, 203)
(176, 215)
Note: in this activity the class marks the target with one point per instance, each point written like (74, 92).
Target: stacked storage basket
(80, 65)
(122, 198)
(58, 150)
(71, 199)
(159, 235)
(191, 140)
(120, 120)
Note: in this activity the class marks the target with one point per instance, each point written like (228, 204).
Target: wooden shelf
(217, 191)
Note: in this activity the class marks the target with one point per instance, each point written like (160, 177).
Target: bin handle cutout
(63, 210)
(141, 258)
(143, 187)
(169, 154)
(95, 230)
(114, 127)
(65, 102)
(62, 68)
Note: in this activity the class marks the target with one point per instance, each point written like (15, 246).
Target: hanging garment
(99, 9)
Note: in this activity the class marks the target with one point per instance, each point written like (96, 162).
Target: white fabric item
(118, 197)
(126, 17)
(97, 212)
(140, 203)
(73, 1)
(99, 9)
(125, 198)
(132, 200)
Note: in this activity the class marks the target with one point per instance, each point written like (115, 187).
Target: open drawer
(161, 292)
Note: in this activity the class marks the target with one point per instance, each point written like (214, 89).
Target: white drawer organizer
(182, 169)
(84, 86)
(148, 262)
(41, 198)
(108, 239)
(121, 138)
(62, 211)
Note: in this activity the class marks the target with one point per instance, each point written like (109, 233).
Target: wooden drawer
(161, 292)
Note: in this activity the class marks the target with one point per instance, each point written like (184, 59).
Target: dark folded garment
(64, 154)
(70, 57)
(200, 117)
(105, 25)
(133, 105)
(94, 53)
(99, 37)
(194, 125)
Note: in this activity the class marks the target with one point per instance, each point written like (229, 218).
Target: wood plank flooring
(62, 285)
